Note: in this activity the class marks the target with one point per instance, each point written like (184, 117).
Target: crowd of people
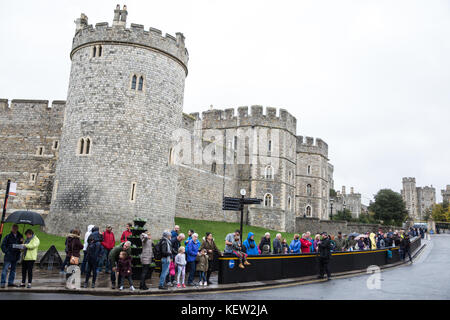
(194, 258)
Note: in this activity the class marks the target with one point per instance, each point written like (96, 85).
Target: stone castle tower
(124, 101)
(417, 199)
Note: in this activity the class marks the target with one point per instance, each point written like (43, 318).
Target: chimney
(120, 16)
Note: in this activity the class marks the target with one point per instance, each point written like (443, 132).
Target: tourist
(373, 241)
(176, 243)
(189, 238)
(284, 246)
(351, 246)
(74, 247)
(295, 245)
(211, 250)
(202, 266)
(332, 243)
(238, 252)
(165, 247)
(108, 244)
(66, 259)
(345, 242)
(277, 248)
(124, 270)
(94, 254)
(175, 232)
(311, 241)
(180, 262)
(31, 246)
(12, 255)
(360, 245)
(229, 241)
(387, 240)
(304, 244)
(126, 233)
(324, 249)
(191, 255)
(339, 241)
(316, 241)
(250, 245)
(113, 259)
(146, 258)
(86, 237)
(265, 244)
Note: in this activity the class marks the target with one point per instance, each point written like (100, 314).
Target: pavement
(398, 281)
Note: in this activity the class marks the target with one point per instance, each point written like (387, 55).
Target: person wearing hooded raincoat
(250, 245)
(373, 242)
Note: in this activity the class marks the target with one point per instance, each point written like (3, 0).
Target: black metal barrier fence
(283, 266)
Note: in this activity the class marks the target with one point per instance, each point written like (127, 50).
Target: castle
(120, 146)
(417, 199)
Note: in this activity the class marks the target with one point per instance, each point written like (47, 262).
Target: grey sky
(371, 78)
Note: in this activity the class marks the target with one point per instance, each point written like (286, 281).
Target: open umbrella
(353, 234)
(26, 217)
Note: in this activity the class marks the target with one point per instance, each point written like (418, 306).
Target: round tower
(124, 101)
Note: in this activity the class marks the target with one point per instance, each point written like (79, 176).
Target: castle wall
(27, 125)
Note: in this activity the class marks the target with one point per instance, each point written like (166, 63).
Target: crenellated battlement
(136, 35)
(311, 145)
(229, 118)
(29, 105)
(409, 180)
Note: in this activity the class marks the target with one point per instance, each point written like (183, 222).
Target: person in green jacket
(114, 259)
(30, 250)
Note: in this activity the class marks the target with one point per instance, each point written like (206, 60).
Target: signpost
(237, 204)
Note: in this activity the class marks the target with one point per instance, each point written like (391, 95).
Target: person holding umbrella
(31, 247)
(12, 255)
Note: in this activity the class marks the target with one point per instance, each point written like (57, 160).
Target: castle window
(81, 146)
(84, 146)
(88, 146)
(171, 156)
(133, 82)
(40, 151)
(308, 211)
(133, 192)
(55, 145)
(268, 200)
(289, 204)
(268, 172)
(214, 168)
(308, 170)
(235, 142)
(308, 190)
(270, 145)
(33, 177)
(55, 190)
(141, 83)
(94, 51)
(100, 51)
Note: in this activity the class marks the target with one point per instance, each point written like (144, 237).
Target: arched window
(94, 51)
(88, 146)
(308, 170)
(268, 200)
(133, 82)
(171, 156)
(100, 51)
(268, 172)
(141, 83)
(81, 146)
(289, 204)
(308, 211)
(308, 190)
(133, 192)
(270, 145)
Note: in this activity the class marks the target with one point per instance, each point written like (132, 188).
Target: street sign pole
(242, 216)
(4, 208)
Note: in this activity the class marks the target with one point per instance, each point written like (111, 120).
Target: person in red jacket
(108, 243)
(126, 233)
(305, 244)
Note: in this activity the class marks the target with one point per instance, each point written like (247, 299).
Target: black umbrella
(26, 217)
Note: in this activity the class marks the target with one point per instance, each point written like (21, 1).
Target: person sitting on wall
(295, 245)
(264, 244)
(229, 241)
(277, 248)
(238, 251)
(250, 245)
(126, 233)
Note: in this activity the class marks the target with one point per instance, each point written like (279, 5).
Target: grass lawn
(218, 229)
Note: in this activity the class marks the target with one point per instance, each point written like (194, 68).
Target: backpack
(157, 251)
(389, 254)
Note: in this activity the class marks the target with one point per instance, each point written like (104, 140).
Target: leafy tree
(368, 217)
(333, 193)
(389, 207)
(427, 214)
(343, 215)
(440, 213)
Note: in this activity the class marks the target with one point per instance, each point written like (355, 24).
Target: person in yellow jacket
(373, 241)
(30, 250)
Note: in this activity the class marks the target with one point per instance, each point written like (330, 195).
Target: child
(284, 246)
(180, 261)
(237, 251)
(124, 267)
(202, 266)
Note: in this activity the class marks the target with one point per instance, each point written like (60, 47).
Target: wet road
(427, 278)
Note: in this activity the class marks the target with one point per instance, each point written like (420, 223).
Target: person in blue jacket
(250, 244)
(295, 245)
(191, 254)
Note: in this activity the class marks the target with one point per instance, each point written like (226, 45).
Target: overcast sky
(370, 78)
